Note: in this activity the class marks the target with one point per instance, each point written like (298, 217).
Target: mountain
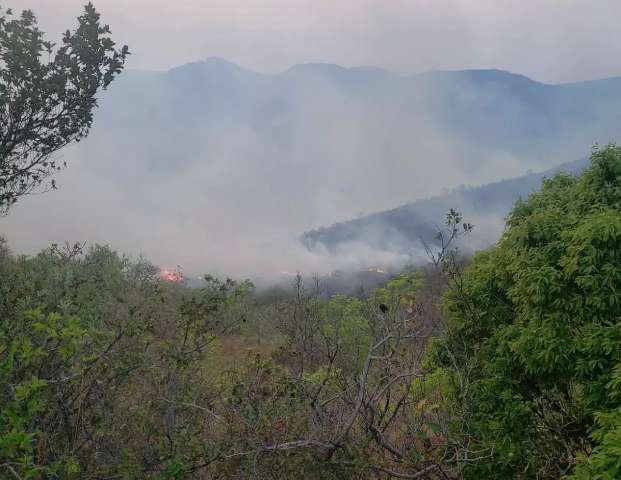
(402, 229)
(488, 107)
(219, 158)
(478, 124)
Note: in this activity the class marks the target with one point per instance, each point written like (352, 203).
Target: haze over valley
(192, 166)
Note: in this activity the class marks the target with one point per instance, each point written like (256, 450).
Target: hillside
(401, 229)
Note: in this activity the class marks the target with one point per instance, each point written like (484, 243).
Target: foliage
(90, 344)
(109, 371)
(47, 95)
(534, 329)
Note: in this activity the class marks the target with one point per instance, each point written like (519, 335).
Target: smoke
(219, 169)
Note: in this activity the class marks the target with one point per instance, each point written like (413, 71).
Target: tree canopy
(47, 95)
(534, 334)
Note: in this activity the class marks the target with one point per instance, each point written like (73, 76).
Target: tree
(47, 96)
(536, 324)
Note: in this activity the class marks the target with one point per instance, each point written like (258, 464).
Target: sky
(553, 41)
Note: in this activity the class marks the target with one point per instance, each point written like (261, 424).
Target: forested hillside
(407, 228)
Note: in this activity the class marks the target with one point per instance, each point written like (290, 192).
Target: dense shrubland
(110, 372)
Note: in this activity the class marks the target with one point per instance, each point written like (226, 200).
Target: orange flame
(171, 275)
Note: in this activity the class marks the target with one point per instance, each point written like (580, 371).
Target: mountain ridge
(326, 66)
(403, 228)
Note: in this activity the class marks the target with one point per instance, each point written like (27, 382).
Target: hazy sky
(549, 40)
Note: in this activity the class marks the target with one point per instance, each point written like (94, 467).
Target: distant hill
(213, 165)
(497, 108)
(477, 125)
(401, 229)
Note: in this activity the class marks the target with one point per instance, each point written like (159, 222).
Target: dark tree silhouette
(47, 96)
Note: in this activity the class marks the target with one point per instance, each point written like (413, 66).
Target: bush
(535, 325)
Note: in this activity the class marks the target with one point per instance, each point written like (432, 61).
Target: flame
(171, 275)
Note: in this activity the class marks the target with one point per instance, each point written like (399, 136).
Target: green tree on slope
(535, 334)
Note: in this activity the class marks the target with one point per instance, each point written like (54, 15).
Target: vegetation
(47, 96)
(109, 371)
(533, 343)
